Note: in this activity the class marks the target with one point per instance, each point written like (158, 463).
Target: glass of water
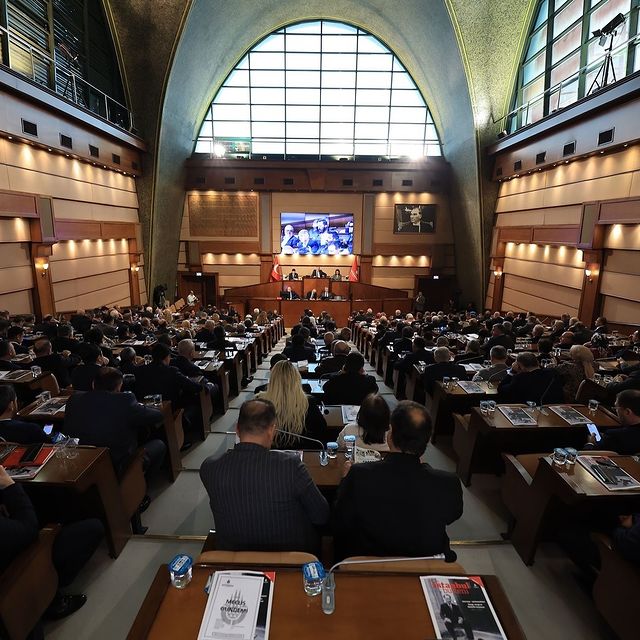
(597, 378)
(559, 456)
(491, 406)
(484, 407)
(36, 371)
(446, 382)
(332, 449)
(593, 407)
(532, 406)
(148, 359)
(349, 444)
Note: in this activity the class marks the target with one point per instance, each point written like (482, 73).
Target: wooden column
(590, 296)
(43, 302)
(366, 268)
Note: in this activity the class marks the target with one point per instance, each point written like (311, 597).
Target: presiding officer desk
(369, 605)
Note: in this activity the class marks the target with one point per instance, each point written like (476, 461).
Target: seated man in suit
(398, 506)
(527, 381)
(293, 275)
(318, 273)
(105, 417)
(206, 333)
(289, 294)
(83, 375)
(335, 362)
(72, 548)
(65, 340)
(404, 342)
(443, 368)
(60, 365)
(418, 354)
(13, 430)
(298, 350)
(498, 368)
(15, 335)
(352, 385)
(262, 499)
(326, 294)
(498, 336)
(311, 295)
(626, 439)
(7, 352)
(184, 363)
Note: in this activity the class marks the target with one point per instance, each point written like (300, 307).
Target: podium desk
(292, 310)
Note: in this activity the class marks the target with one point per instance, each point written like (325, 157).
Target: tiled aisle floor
(547, 599)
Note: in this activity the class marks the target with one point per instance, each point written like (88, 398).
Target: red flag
(276, 271)
(353, 274)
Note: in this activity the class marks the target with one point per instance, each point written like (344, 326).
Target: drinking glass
(332, 449)
(446, 382)
(484, 407)
(532, 406)
(607, 380)
(454, 382)
(349, 443)
(593, 407)
(572, 455)
(597, 378)
(148, 359)
(45, 396)
(491, 406)
(486, 364)
(36, 371)
(559, 456)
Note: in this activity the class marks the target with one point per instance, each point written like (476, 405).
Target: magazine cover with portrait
(415, 218)
(460, 608)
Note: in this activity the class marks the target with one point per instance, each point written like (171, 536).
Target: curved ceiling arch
(217, 34)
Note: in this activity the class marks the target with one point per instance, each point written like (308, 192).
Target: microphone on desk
(329, 585)
(324, 458)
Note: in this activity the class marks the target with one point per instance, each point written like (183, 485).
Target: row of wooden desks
(480, 442)
(368, 605)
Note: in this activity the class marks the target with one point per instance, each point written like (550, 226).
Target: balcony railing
(42, 69)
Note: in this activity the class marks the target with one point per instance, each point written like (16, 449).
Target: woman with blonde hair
(573, 372)
(297, 413)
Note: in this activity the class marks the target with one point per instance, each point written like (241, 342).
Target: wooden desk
(91, 474)
(479, 446)
(446, 402)
(30, 412)
(368, 605)
(573, 487)
(414, 387)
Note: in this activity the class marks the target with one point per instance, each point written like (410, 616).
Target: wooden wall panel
(14, 230)
(622, 236)
(620, 285)
(118, 294)
(67, 289)
(17, 302)
(544, 290)
(519, 301)
(541, 217)
(568, 276)
(621, 261)
(74, 210)
(618, 310)
(14, 279)
(68, 269)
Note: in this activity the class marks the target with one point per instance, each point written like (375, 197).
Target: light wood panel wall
(16, 271)
(620, 282)
(83, 273)
(549, 279)
(233, 269)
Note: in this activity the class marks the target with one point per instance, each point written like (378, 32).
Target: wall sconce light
(497, 272)
(44, 267)
(135, 268)
(436, 277)
(588, 272)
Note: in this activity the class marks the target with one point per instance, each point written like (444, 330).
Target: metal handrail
(591, 66)
(109, 113)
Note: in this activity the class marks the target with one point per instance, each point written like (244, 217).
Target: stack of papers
(570, 415)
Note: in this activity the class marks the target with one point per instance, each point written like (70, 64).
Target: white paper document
(349, 412)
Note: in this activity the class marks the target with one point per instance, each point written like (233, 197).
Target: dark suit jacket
(531, 385)
(402, 344)
(108, 419)
(185, 366)
(396, 507)
(631, 382)
(295, 354)
(435, 372)
(166, 380)
(263, 500)
(7, 365)
(311, 296)
(349, 388)
(204, 335)
(332, 364)
(289, 295)
(82, 376)
(66, 344)
(59, 366)
(625, 440)
(80, 323)
(20, 529)
(22, 432)
(405, 364)
(502, 340)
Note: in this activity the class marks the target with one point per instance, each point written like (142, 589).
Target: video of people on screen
(316, 233)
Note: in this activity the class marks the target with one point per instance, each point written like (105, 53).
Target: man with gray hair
(498, 368)
(443, 368)
(184, 362)
(334, 363)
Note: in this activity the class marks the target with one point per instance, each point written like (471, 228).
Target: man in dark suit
(7, 352)
(453, 618)
(289, 294)
(311, 295)
(416, 223)
(80, 321)
(418, 354)
(13, 430)
(65, 340)
(443, 368)
(60, 365)
(298, 350)
(527, 381)
(15, 335)
(206, 333)
(626, 439)
(405, 342)
(262, 499)
(498, 337)
(83, 375)
(293, 275)
(398, 506)
(318, 273)
(105, 417)
(326, 294)
(334, 363)
(352, 385)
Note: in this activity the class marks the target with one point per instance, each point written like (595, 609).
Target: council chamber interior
(474, 159)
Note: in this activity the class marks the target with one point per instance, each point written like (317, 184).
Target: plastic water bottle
(181, 571)
(313, 574)
(349, 443)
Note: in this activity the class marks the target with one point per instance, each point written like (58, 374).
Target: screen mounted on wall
(316, 233)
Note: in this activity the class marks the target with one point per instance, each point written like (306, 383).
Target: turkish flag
(276, 271)
(353, 273)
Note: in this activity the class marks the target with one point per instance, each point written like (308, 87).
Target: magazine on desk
(570, 415)
(18, 374)
(349, 412)
(50, 407)
(470, 387)
(607, 472)
(518, 417)
(461, 604)
(239, 606)
(12, 458)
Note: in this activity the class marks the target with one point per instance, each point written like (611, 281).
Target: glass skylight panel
(320, 88)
